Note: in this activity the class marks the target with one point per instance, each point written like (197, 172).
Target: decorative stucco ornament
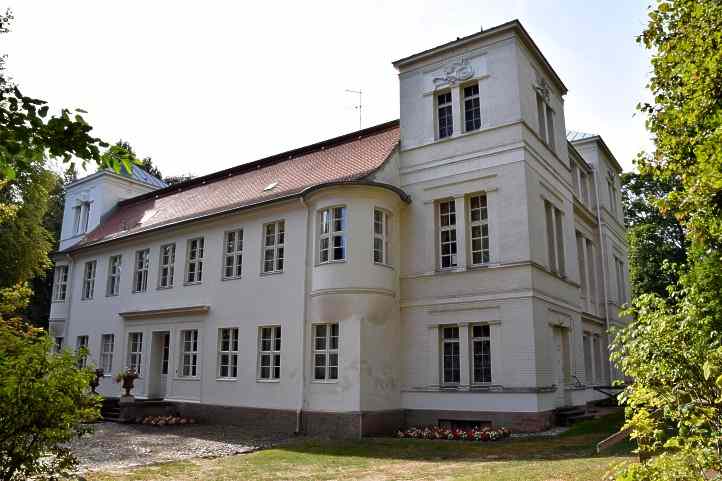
(542, 87)
(455, 72)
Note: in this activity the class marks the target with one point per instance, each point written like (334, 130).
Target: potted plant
(127, 378)
(95, 382)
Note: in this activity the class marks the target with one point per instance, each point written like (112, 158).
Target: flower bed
(165, 420)
(436, 432)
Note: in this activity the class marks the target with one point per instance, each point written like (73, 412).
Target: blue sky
(201, 86)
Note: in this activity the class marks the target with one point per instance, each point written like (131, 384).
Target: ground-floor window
(106, 353)
(325, 351)
(450, 353)
(135, 350)
(481, 354)
(228, 352)
(269, 352)
(189, 354)
(82, 344)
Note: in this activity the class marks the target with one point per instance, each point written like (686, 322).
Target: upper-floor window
(447, 234)
(107, 342)
(135, 351)
(114, 265)
(140, 276)
(88, 280)
(81, 216)
(166, 269)
(332, 240)
(325, 351)
(450, 352)
(588, 358)
(228, 352)
(269, 353)
(274, 246)
(555, 238)
(584, 188)
(233, 254)
(381, 237)
(546, 121)
(189, 353)
(481, 353)
(472, 108)
(621, 288)
(479, 229)
(60, 283)
(612, 196)
(444, 115)
(81, 346)
(194, 260)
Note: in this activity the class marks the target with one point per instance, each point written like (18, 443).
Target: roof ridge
(264, 162)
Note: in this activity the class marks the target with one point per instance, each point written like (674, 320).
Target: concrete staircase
(110, 410)
(569, 415)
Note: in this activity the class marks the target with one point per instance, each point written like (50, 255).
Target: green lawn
(567, 457)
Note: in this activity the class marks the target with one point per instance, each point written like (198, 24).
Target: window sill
(232, 278)
(271, 273)
(324, 381)
(383, 264)
(164, 288)
(186, 378)
(195, 283)
(268, 381)
(327, 263)
(59, 302)
(226, 379)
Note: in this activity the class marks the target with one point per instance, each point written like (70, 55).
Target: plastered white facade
(391, 316)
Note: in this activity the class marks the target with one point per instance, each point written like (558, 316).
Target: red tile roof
(350, 157)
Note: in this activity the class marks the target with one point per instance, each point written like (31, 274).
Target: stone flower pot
(127, 379)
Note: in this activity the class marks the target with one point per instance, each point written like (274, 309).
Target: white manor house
(461, 264)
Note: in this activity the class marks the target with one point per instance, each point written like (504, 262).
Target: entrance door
(561, 364)
(158, 372)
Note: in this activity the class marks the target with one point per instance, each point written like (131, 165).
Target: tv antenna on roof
(360, 104)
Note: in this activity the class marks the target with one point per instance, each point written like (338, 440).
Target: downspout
(602, 242)
(68, 296)
(306, 275)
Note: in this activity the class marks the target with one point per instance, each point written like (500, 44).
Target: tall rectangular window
(584, 188)
(332, 240)
(81, 217)
(472, 108)
(77, 212)
(444, 114)
(481, 353)
(581, 260)
(166, 270)
(588, 366)
(597, 348)
(58, 344)
(479, 229)
(381, 237)
(450, 361)
(135, 351)
(233, 254)
(591, 261)
(546, 121)
(189, 353)
(274, 246)
(228, 352)
(621, 288)
(555, 238)
(60, 283)
(447, 234)
(194, 260)
(269, 353)
(140, 275)
(82, 343)
(107, 342)
(612, 196)
(325, 352)
(114, 265)
(88, 280)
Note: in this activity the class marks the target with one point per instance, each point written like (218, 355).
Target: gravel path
(115, 446)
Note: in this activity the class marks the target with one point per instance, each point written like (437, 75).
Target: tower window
(446, 122)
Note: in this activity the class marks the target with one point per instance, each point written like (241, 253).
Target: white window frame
(135, 352)
(591, 267)
(270, 352)
(274, 243)
(598, 358)
(141, 268)
(473, 340)
(115, 264)
(58, 344)
(332, 227)
(228, 353)
(545, 118)
(476, 108)
(621, 288)
(195, 257)
(107, 346)
(449, 228)
(166, 266)
(82, 342)
(482, 222)
(326, 351)
(555, 239)
(232, 255)
(89, 280)
(588, 357)
(449, 341)
(81, 217)
(60, 283)
(190, 354)
(382, 236)
(447, 107)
